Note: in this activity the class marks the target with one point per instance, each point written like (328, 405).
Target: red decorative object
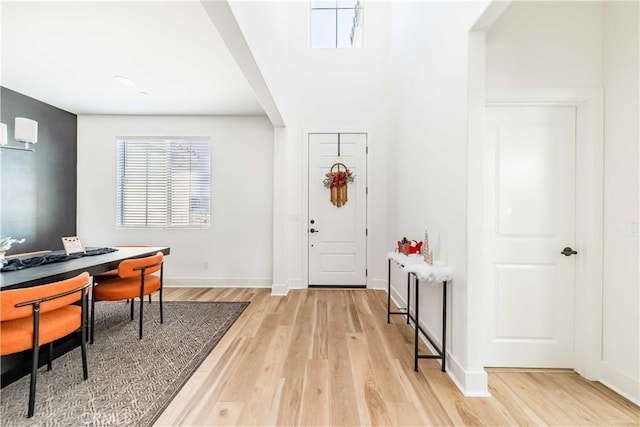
(337, 182)
(409, 248)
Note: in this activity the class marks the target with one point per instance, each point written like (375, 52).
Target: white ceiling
(66, 54)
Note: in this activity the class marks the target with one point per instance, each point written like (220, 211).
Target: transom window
(336, 24)
(163, 183)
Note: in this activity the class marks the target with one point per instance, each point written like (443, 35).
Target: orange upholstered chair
(31, 317)
(112, 274)
(135, 279)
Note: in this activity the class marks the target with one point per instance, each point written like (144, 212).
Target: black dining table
(94, 265)
(16, 365)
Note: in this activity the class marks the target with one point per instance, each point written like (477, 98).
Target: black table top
(64, 270)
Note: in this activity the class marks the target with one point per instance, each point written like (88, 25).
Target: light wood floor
(323, 357)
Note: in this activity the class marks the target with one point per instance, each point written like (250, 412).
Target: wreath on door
(337, 181)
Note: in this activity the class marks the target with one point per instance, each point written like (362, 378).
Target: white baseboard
(470, 383)
(296, 284)
(620, 382)
(378, 284)
(279, 290)
(216, 282)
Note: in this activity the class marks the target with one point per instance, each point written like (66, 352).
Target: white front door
(337, 235)
(529, 219)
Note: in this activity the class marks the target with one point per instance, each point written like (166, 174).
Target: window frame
(359, 5)
(169, 140)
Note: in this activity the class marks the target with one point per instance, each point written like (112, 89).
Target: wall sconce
(3, 134)
(25, 130)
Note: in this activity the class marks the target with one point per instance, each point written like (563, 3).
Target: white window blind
(163, 183)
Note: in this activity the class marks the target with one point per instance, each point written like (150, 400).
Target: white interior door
(529, 219)
(337, 235)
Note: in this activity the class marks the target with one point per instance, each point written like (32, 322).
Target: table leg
(417, 323)
(444, 325)
(408, 297)
(389, 291)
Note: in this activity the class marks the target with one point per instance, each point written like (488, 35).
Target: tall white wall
(238, 244)
(569, 44)
(429, 54)
(322, 90)
(621, 326)
(337, 90)
(546, 44)
(265, 26)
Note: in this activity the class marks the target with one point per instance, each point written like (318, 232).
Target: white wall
(339, 89)
(546, 44)
(621, 327)
(429, 79)
(265, 26)
(327, 90)
(569, 44)
(238, 245)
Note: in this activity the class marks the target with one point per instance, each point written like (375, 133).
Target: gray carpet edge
(188, 372)
(148, 411)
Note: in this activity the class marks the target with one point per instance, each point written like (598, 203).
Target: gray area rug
(130, 381)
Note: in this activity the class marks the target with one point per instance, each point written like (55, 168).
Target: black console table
(421, 272)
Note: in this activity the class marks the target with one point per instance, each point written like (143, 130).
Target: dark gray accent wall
(38, 200)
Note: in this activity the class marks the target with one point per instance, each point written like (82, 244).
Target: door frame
(589, 106)
(305, 200)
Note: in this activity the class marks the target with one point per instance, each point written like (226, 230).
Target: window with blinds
(163, 183)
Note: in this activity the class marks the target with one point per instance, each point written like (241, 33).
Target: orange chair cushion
(127, 288)
(126, 267)
(9, 299)
(107, 275)
(17, 335)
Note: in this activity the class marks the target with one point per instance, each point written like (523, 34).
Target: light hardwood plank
(327, 357)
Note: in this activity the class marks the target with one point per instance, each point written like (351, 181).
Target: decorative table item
(409, 247)
(428, 253)
(337, 181)
(72, 245)
(5, 245)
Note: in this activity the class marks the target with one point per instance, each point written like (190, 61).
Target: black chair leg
(161, 317)
(141, 310)
(93, 318)
(83, 338)
(149, 298)
(131, 318)
(32, 385)
(50, 357)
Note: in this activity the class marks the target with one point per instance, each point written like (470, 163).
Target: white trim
(296, 284)
(470, 383)
(279, 290)
(475, 194)
(217, 282)
(305, 199)
(589, 201)
(620, 382)
(279, 255)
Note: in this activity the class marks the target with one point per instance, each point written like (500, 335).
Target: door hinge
(366, 150)
(366, 231)
(366, 191)
(366, 272)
